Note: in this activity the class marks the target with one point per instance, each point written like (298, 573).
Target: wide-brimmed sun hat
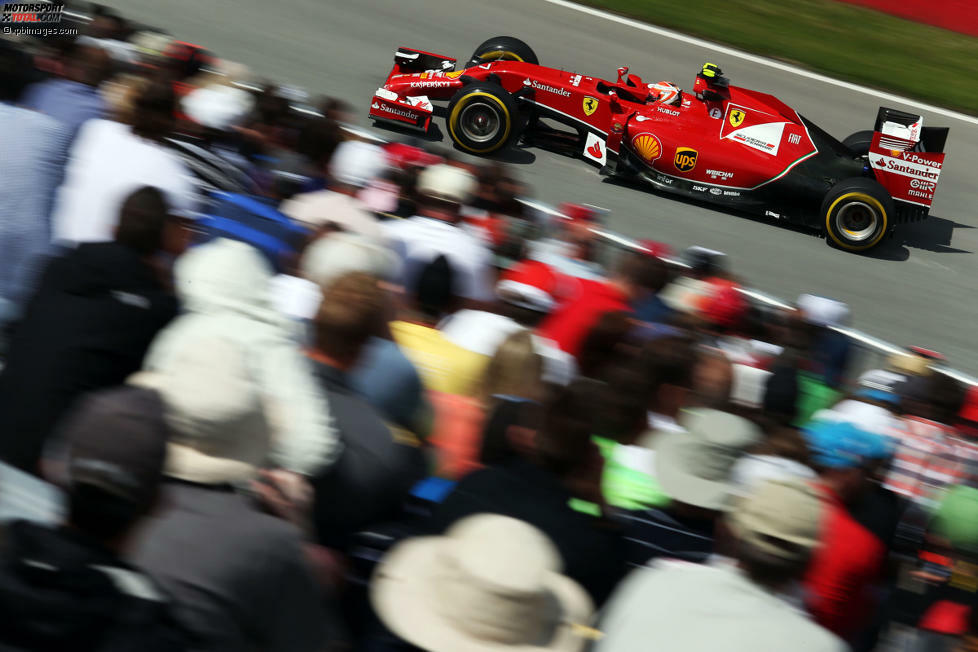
(695, 467)
(490, 583)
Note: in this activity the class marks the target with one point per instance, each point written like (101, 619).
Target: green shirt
(623, 486)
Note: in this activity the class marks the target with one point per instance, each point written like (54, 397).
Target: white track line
(889, 97)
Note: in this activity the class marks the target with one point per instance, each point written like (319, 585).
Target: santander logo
(595, 149)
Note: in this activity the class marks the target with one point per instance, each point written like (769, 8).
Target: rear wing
(906, 157)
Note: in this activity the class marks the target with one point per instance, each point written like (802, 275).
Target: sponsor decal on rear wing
(907, 175)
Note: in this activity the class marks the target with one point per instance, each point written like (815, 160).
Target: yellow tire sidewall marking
(495, 55)
(453, 121)
(861, 196)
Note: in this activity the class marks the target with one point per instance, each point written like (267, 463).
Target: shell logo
(647, 146)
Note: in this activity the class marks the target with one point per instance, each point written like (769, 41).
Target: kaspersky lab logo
(30, 12)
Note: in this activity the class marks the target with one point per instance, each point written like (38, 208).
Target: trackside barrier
(871, 352)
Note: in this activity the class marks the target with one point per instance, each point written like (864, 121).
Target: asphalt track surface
(918, 288)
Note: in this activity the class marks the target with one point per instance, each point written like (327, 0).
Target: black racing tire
(482, 118)
(858, 143)
(503, 48)
(858, 212)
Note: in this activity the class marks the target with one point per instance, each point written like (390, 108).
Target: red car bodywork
(739, 146)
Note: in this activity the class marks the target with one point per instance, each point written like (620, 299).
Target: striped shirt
(653, 533)
(929, 457)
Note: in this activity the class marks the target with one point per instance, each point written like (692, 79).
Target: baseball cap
(880, 385)
(331, 257)
(703, 261)
(969, 411)
(530, 284)
(117, 443)
(579, 212)
(823, 311)
(447, 182)
(909, 363)
(723, 304)
(656, 248)
(780, 518)
(355, 163)
(863, 415)
(218, 107)
(843, 445)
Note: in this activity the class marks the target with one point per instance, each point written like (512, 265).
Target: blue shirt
(34, 149)
(389, 382)
(66, 101)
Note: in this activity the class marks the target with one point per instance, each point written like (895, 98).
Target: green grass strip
(840, 40)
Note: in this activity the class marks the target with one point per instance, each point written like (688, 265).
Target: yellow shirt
(443, 365)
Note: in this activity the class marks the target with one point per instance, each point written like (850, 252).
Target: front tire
(482, 118)
(857, 213)
(503, 48)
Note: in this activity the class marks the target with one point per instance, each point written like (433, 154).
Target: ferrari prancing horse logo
(590, 105)
(736, 117)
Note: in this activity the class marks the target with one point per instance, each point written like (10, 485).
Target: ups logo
(685, 159)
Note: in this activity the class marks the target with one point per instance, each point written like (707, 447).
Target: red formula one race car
(720, 143)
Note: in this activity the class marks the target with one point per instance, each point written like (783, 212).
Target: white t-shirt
(482, 332)
(108, 163)
(424, 238)
(704, 608)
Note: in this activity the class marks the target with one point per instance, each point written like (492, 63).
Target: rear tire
(503, 48)
(858, 143)
(482, 118)
(858, 213)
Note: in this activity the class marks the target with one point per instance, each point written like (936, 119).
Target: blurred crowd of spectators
(269, 386)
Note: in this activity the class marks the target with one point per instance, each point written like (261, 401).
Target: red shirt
(846, 566)
(571, 322)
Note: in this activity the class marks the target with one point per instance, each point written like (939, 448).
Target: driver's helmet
(666, 93)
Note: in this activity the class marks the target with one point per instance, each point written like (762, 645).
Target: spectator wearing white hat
(490, 583)
(241, 578)
(525, 295)
(224, 287)
(694, 467)
(211, 151)
(383, 374)
(830, 349)
(436, 230)
(353, 166)
(741, 606)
